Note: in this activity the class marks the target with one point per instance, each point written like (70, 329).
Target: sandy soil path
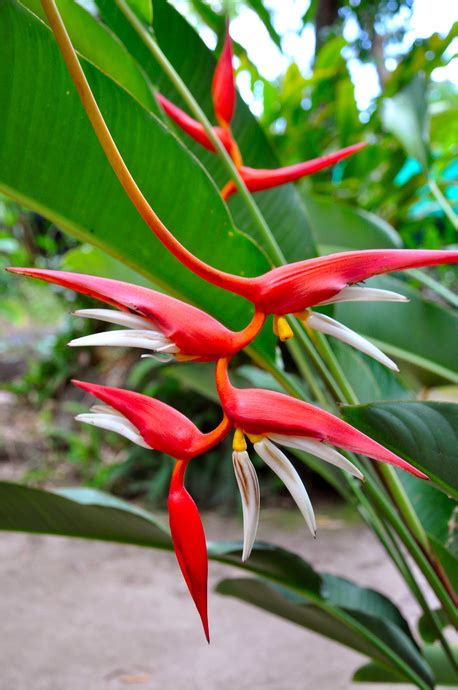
(91, 616)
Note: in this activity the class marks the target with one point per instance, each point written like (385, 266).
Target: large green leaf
(85, 513)
(338, 227)
(51, 161)
(424, 433)
(332, 606)
(444, 673)
(101, 47)
(372, 634)
(422, 332)
(281, 207)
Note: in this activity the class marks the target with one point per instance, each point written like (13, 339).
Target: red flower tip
(223, 86)
(194, 128)
(189, 542)
(156, 321)
(257, 179)
(293, 288)
(261, 412)
(160, 426)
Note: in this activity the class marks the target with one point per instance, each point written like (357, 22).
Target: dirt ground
(92, 616)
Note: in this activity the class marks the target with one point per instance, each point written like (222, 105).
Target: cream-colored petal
(365, 294)
(248, 484)
(120, 318)
(283, 468)
(324, 324)
(145, 339)
(318, 449)
(114, 422)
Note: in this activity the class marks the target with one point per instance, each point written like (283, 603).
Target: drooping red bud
(223, 86)
(189, 542)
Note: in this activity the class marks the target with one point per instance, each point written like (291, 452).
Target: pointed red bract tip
(223, 86)
(162, 427)
(189, 542)
(259, 179)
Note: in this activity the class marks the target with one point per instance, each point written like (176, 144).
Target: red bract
(189, 542)
(294, 287)
(155, 321)
(223, 86)
(223, 95)
(161, 427)
(257, 180)
(261, 412)
(194, 128)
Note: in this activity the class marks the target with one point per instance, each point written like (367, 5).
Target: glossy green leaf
(421, 332)
(424, 433)
(73, 185)
(100, 46)
(434, 509)
(85, 513)
(444, 674)
(195, 63)
(405, 116)
(338, 227)
(377, 637)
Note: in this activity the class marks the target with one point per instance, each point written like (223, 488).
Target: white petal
(105, 409)
(160, 357)
(117, 423)
(366, 294)
(145, 339)
(283, 468)
(318, 449)
(120, 318)
(248, 484)
(324, 324)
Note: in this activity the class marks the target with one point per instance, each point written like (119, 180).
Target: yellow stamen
(238, 442)
(282, 329)
(255, 438)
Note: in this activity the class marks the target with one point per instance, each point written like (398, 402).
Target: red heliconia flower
(224, 96)
(294, 288)
(155, 425)
(153, 321)
(223, 85)
(270, 419)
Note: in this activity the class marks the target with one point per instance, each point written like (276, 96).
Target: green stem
(304, 368)
(443, 202)
(433, 284)
(415, 551)
(333, 364)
